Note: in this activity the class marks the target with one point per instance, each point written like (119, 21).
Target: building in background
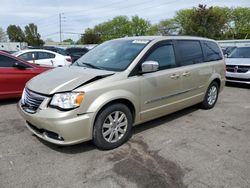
(12, 46)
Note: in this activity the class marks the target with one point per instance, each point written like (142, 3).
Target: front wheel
(112, 126)
(211, 96)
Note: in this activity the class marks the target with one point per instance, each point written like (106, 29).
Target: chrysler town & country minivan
(119, 84)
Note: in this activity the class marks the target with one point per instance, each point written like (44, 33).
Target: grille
(238, 68)
(31, 101)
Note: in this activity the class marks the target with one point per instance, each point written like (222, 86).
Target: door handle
(175, 76)
(186, 74)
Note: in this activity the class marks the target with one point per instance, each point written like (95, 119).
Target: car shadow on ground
(238, 85)
(88, 146)
(9, 101)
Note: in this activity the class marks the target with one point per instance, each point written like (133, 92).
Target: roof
(163, 38)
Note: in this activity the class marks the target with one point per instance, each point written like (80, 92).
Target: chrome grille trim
(238, 68)
(31, 100)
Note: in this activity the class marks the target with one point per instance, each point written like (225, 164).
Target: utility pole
(60, 27)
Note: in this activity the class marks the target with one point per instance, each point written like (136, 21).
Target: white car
(238, 65)
(44, 57)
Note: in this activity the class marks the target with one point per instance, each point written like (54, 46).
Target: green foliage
(90, 37)
(15, 33)
(29, 35)
(32, 37)
(168, 27)
(202, 21)
(239, 23)
(139, 26)
(70, 41)
(214, 22)
(119, 26)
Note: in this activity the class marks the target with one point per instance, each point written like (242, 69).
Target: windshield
(115, 55)
(243, 52)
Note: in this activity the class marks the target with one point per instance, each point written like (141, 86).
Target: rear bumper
(61, 128)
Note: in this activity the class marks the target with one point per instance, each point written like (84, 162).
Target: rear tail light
(69, 59)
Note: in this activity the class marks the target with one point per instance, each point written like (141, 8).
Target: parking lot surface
(190, 148)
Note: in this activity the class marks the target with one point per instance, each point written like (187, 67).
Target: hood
(237, 61)
(65, 79)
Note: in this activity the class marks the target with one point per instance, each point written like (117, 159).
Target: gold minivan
(119, 84)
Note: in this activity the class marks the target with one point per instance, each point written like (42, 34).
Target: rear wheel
(211, 96)
(113, 126)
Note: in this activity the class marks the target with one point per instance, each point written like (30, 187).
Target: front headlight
(67, 101)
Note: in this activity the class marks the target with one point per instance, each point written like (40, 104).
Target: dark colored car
(76, 52)
(14, 73)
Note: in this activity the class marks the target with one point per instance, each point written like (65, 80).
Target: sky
(77, 15)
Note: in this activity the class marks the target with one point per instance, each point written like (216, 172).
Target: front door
(159, 90)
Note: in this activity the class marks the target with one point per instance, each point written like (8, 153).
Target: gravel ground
(190, 148)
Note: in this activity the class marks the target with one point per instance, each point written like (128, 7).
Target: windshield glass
(115, 55)
(243, 52)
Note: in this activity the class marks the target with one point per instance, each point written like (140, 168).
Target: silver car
(119, 84)
(238, 65)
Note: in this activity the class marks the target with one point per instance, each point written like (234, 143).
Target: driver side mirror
(149, 66)
(19, 65)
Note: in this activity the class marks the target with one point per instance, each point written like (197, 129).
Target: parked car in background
(76, 52)
(121, 83)
(50, 48)
(14, 73)
(44, 57)
(238, 65)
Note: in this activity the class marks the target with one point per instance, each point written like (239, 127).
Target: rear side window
(190, 52)
(164, 55)
(6, 61)
(45, 55)
(212, 51)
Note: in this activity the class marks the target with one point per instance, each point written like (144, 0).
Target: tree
(32, 37)
(240, 22)
(139, 26)
(70, 41)
(119, 26)
(90, 37)
(15, 33)
(202, 21)
(168, 27)
(3, 37)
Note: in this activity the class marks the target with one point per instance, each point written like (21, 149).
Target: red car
(14, 73)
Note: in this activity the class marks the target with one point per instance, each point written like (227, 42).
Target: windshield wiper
(89, 65)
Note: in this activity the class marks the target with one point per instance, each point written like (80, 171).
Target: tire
(113, 126)
(211, 96)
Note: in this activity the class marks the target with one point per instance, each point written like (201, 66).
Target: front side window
(242, 52)
(190, 52)
(115, 55)
(27, 56)
(212, 51)
(164, 55)
(6, 61)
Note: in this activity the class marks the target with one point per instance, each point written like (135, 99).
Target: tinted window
(164, 55)
(6, 61)
(212, 51)
(26, 56)
(243, 52)
(45, 55)
(190, 52)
